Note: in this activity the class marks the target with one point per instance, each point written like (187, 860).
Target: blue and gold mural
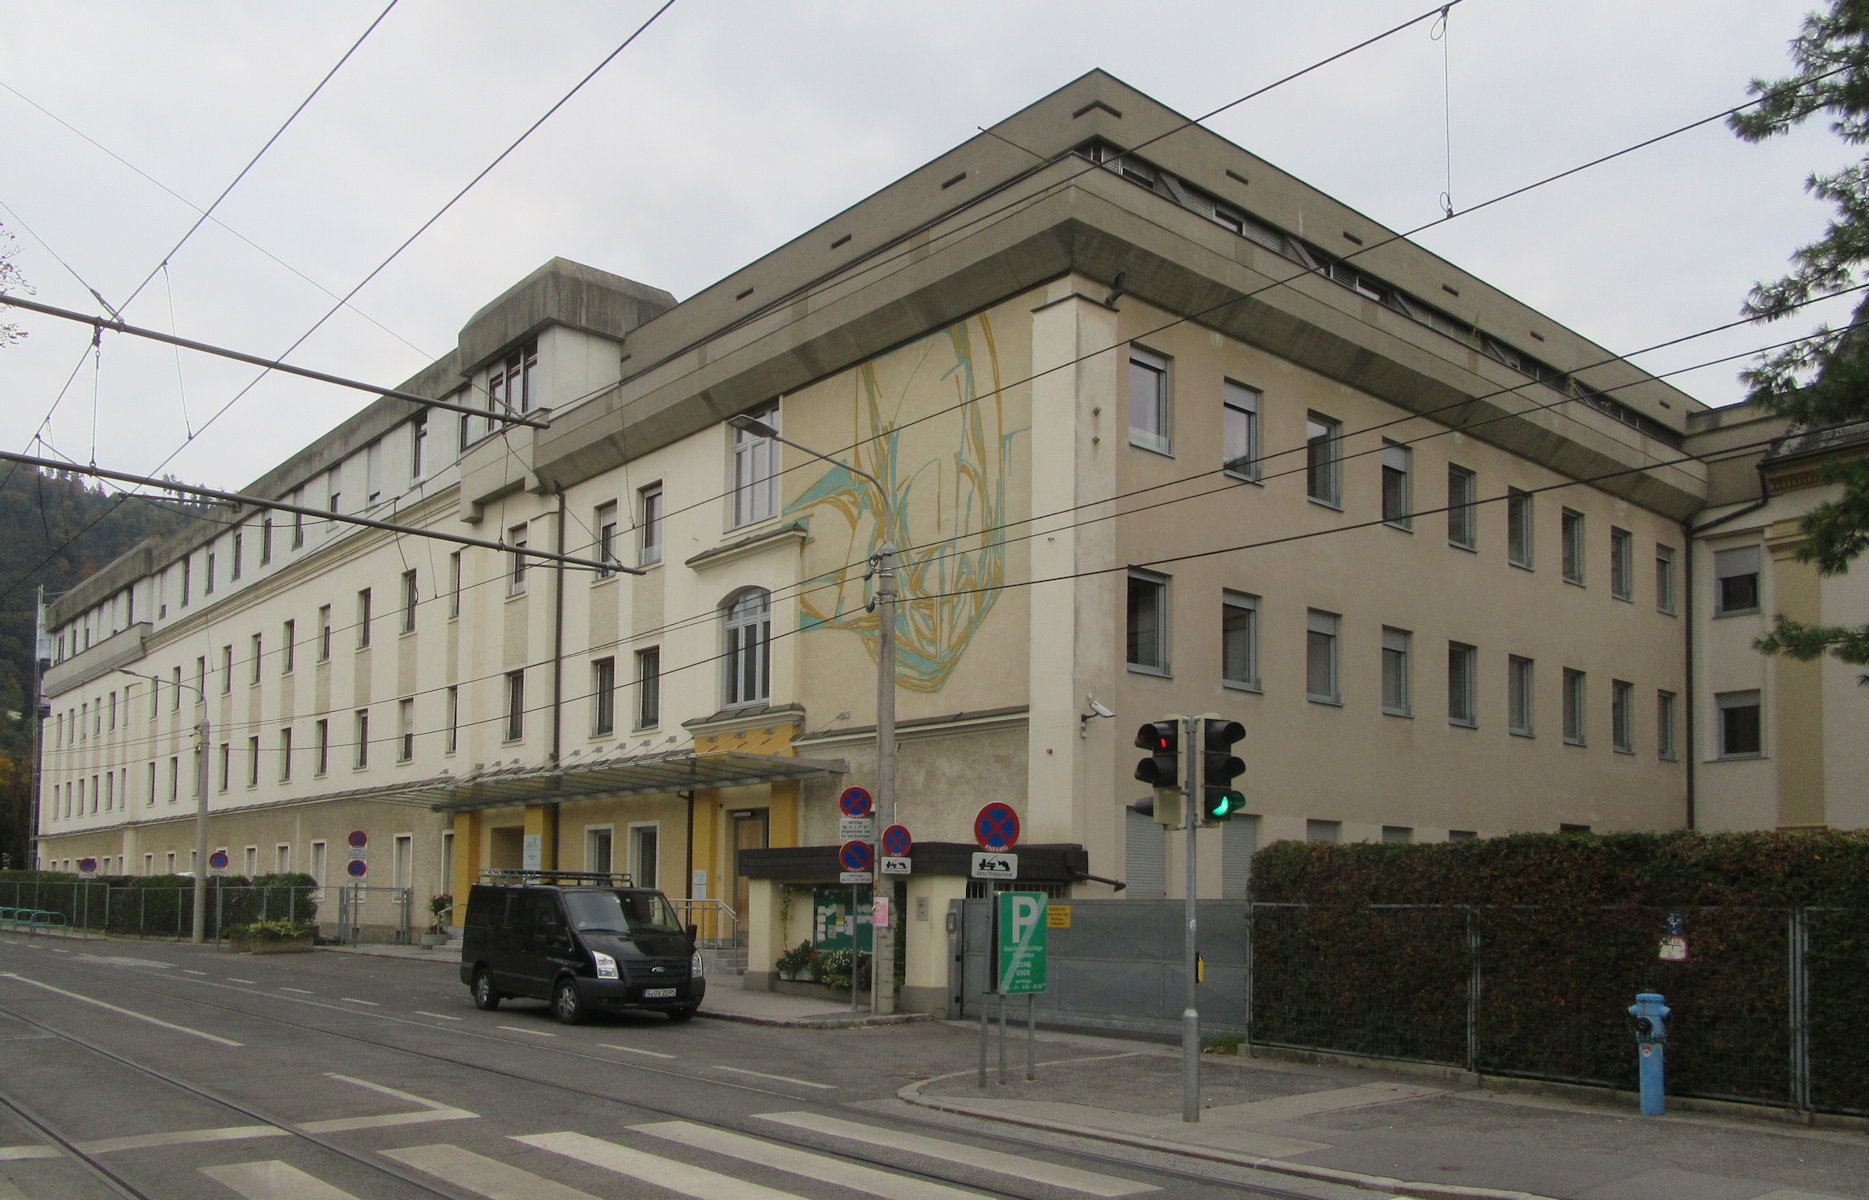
(928, 421)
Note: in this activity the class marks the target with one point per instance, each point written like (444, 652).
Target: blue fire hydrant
(1651, 1037)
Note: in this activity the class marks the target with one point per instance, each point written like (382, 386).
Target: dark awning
(640, 775)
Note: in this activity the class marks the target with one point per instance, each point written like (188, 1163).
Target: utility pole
(1190, 1015)
(883, 939)
(30, 843)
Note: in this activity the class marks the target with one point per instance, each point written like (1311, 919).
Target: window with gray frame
(363, 738)
(1519, 528)
(1320, 651)
(1461, 494)
(603, 696)
(1396, 489)
(1573, 546)
(1741, 730)
(748, 648)
(1147, 629)
(649, 525)
(605, 519)
(1736, 581)
(1664, 578)
(1519, 696)
(648, 687)
(1621, 564)
(515, 705)
(1462, 684)
(1321, 436)
(1239, 639)
(1395, 672)
(1664, 727)
(1573, 707)
(755, 470)
(1148, 400)
(1621, 730)
(1323, 831)
(1239, 434)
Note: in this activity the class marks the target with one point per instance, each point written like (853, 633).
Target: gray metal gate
(372, 914)
(1118, 965)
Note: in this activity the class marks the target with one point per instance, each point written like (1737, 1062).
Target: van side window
(547, 921)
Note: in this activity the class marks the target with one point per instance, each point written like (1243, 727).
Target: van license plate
(658, 993)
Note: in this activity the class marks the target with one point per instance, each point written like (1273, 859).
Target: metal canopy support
(508, 787)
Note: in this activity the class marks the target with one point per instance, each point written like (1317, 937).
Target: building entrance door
(750, 828)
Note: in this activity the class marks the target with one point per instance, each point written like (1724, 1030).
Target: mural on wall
(927, 421)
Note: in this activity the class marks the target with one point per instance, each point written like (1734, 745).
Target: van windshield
(621, 912)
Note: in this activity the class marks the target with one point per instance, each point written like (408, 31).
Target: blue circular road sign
(896, 841)
(218, 860)
(855, 856)
(855, 802)
(996, 827)
(358, 868)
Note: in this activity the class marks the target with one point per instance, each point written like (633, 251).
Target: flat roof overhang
(641, 775)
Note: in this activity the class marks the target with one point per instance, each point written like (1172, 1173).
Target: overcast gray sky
(730, 127)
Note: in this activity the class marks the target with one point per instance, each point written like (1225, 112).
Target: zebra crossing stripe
(483, 1176)
(648, 1168)
(1018, 1166)
(273, 1180)
(854, 1176)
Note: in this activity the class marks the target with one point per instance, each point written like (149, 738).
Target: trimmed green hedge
(160, 905)
(1384, 945)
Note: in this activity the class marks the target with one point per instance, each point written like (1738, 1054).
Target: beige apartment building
(1165, 430)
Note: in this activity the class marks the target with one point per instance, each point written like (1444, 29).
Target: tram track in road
(750, 1127)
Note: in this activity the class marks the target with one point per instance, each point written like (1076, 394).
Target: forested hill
(56, 530)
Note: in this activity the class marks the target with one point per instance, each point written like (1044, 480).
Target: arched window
(748, 648)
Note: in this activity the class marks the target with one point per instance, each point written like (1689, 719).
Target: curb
(825, 1022)
(911, 1094)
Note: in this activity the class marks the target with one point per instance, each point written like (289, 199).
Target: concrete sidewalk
(1411, 1134)
(726, 999)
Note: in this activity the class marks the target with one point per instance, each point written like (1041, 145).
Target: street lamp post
(883, 566)
(201, 801)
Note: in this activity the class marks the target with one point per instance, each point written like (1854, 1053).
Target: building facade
(1154, 426)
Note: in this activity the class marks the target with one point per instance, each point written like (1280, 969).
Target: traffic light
(1161, 770)
(1219, 767)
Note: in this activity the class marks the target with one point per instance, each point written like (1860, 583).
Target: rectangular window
(175, 691)
(317, 869)
(405, 729)
(1395, 700)
(151, 799)
(1573, 707)
(418, 439)
(1239, 432)
(1461, 493)
(285, 755)
(207, 575)
(282, 858)
(188, 566)
(454, 585)
(1322, 831)
(235, 572)
(1621, 564)
(1148, 622)
(253, 676)
(643, 856)
(1664, 579)
(1321, 435)
(227, 669)
(516, 578)
(755, 470)
(1396, 502)
(1519, 696)
(1462, 685)
(454, 719)
(363, 619)
(113, 708)
(1519, 528)
(1621, 732)
(321, 747)
(1320, 657)
(324, 632)
(201, 679)
(1398, 835)
(649, 524)
(1664, 727)
(266, 540)
(363, 738)
(226, 761)
(1148, 400)
(288, 647)
(605, 520)
(410, 597)
(253, 761)
(298, 530)
(1239, 639)
(515, 705)
(1573, 545)
(1741, 734)
(603, 696)
(1736, 581)
(648, 687)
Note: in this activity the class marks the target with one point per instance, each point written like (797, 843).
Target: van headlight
(606, 966)
(694, 966)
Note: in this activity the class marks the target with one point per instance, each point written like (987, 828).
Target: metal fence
(373, 914)
(1766, 1006)
(102, 907)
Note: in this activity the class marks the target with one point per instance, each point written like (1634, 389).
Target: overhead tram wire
(1286, 280)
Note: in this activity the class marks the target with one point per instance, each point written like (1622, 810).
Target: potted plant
(439, 908)
(270, 937)
(796, 962)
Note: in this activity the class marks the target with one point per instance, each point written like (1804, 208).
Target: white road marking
(1015, 1165)
(122, 1011)
(273, 1181)
(186, 971)
(300, 991)
(354, 1000)
(430, 1110)
(16, 1153)
(231, 979)
(56, 950)
(485, 1176)
(802, 1162)
(125, 960)
(829, 1087)
(648, 1168)
(437, 1016)
(182, 1137)
(532, 1032)
(634, 1050)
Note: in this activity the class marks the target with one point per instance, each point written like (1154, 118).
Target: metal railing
(716, 925)
(99, 907)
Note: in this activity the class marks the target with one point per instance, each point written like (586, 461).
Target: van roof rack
(555, 878)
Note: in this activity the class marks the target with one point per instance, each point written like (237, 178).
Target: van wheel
(567, 1005)
(485, 997)
(682, 1013)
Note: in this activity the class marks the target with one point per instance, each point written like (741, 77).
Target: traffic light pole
(1190, 1016)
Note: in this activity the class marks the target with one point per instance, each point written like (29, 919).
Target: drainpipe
(558, 662)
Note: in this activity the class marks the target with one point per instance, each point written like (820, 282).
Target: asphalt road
(161, 1070)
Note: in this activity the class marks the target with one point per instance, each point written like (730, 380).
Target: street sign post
(894, 866)
(854, 857)
(1022, 942)
(217, 863)
(996, 827)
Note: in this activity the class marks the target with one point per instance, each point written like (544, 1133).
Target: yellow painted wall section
(782, 815)
(1798, 744)
(468, 855)
(765, 939)
(707, 844)
(539, 822)
(926, 955)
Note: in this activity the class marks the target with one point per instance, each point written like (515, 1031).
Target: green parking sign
(1021, 943)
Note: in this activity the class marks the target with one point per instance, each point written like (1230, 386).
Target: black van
(581, 941)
